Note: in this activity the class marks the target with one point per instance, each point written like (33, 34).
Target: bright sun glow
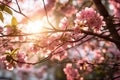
(34, 27)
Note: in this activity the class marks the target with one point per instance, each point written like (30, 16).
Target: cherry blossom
(21, 57)
(9, 30)
(72, 74)
(116, 6)
(75, 37)
(2, 60)
(60, 54)
(89, 18)
(63, 23)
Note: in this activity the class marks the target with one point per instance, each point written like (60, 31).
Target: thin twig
(116, 77)
(18, 6)
(100, 36)
(16, 11)
(78, 39)
(41, 61)
(47, 16)
(4, 43)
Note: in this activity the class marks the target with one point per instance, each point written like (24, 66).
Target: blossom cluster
(59, 42)
(89, 18)
(63, 23)
(72, 74)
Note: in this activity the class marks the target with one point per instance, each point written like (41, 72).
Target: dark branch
(16, 11)
(18, 6)
(100, 36)
(109, 23)
(116, 77)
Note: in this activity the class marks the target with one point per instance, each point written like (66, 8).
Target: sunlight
(34, 27)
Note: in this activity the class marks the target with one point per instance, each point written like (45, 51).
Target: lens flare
(34, 27)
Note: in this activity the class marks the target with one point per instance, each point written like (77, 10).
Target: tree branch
(47, 15)
(116, 77)
(18, 5)
(16, 11)
(109, 23)
(100, 36)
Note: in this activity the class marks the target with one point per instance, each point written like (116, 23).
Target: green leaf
(2, 7)
(6, 26)
(1, 17)
(6, 53)
(14, 51)
(14, 21)
(8, 58)
(8, 10)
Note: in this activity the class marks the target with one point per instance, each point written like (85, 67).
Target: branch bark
(103, 11)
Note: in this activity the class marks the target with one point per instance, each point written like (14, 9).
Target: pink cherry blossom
(60, 54)
(4, 64)
(79, 1)
(9, 66)
(89, 18)
(50, 4)
(2, 60)
(72, 74)
(21, 57)
(9, 30)
(34, 49)
(116, 7)
(63, 23)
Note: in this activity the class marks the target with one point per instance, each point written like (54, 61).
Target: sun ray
(34, 27)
